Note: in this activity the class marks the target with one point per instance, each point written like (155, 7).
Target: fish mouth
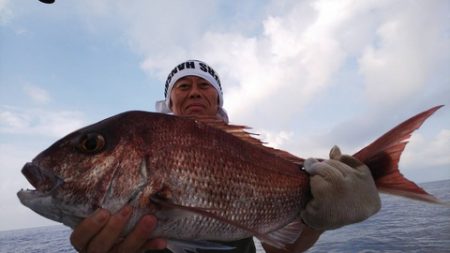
(43, 180)
(43, 200)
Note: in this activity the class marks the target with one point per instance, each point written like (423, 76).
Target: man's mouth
(195, 107)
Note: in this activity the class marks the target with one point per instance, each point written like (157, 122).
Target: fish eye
(91, 143)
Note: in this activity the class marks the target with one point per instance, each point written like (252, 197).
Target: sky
(305, 74)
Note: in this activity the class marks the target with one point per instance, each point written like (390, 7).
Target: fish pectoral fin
(209, 212)
(285, 235)
(180, 246)
(164, 202)
(278, 238)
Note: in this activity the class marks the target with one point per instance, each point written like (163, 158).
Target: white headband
(191, 68)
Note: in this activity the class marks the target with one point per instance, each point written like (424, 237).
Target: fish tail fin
(383, 155)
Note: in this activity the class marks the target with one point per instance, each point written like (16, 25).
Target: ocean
(402, 225)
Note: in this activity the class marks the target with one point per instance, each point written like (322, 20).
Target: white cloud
(15, 120)
(409, 44)
(271, 77)
(274, 139)
(6, 13)
(427, 158)
(278, 72)
(299, 53)
(428, 152)
(36, 93)
(23, 134)
(12, 157)
(294, 57)
(296, 54)
(162, 30)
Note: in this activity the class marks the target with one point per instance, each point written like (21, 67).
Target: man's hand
(343, 192)
(100, 232)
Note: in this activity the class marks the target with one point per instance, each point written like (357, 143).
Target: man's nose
(195, 90)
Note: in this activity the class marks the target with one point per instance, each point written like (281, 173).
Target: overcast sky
(304, 74)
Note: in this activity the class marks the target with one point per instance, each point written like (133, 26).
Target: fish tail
(383, 155)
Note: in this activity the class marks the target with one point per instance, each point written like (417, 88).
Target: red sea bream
(203, 179)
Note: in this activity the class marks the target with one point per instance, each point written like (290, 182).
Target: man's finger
(351, 161)
(106, 238)
(136, 239)
(88, 228)
(323, 169)
(155, 244)
(335, 153)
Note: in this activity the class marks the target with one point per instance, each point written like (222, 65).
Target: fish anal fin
(284, 236)
(306, 240)
(180, 246)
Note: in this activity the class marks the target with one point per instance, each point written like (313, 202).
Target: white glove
(343, 192)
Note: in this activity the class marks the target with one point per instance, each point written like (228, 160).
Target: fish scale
(237, 188)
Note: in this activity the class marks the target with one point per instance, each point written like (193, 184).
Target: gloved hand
(343, 192)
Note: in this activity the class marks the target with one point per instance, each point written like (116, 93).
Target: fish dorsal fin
(285, 155)
(241, 132)
(277, 239)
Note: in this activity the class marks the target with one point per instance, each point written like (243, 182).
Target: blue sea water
(401, 226)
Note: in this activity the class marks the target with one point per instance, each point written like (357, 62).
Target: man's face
(192, 95)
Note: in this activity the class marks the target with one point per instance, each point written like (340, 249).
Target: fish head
(101, 165)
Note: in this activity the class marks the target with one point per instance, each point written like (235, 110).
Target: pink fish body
(204, 180)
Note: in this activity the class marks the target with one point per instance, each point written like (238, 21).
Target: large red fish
(204, 180)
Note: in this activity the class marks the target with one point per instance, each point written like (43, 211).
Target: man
(342, 187)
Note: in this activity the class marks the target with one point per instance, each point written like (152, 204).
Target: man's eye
(205, 85)
(183, 86)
